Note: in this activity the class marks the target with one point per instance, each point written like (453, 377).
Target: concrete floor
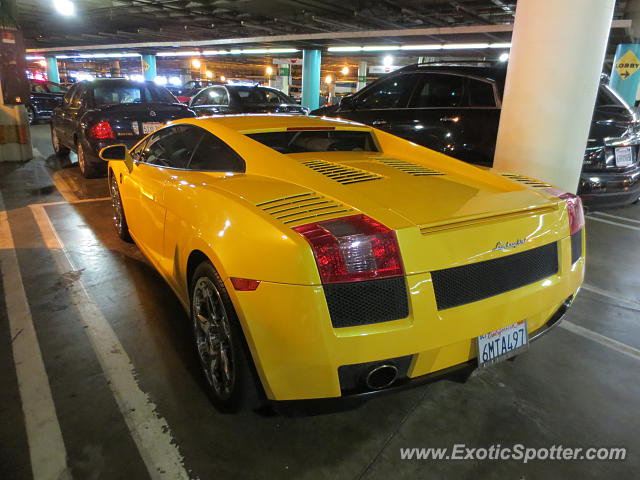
(575, 387)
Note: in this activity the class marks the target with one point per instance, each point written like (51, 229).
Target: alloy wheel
(81, 159)
(213, 338)
(116, 203)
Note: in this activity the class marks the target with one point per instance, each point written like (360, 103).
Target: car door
(384, 104)
(60, 118)
(438, 107)
(211, 101)
(165, 153)
(73, 115)
(481, 120)
(182, 199)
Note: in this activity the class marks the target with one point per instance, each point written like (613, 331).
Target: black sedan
(45, 96)
(456, 110)
(225, 99)
(103, 112)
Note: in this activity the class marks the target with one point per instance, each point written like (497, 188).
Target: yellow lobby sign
(627, 65)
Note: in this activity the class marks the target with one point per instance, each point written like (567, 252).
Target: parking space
(129, 399)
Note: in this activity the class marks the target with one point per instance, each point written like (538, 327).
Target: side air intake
(303, 208)
(341, 173)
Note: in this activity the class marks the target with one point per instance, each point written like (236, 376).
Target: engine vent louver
(303, 208)
(526, 180)
(341, 173)
(408, 167)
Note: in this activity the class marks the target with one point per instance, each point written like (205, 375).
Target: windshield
(106, 94)
(250, 95)
(317, 141)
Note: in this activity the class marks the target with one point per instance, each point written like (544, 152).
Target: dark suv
(456, 110)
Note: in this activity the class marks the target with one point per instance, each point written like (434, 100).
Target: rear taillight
(574, 207)
(352, 249)
(102, 131)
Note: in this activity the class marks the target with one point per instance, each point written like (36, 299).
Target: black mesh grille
(362, 303)
(576, 246)
(470, 283)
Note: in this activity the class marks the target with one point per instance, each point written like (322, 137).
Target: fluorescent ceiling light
(464, 46)
(100, 55)
(250, 51)
(31, 57)
(344, 49)
(380, 48)
(178, 54)
(435, 46)
(499, 45)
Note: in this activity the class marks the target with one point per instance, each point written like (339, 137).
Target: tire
(119, 219)
(58, 147)
(87, 168)
(231, 379)
(31, 115)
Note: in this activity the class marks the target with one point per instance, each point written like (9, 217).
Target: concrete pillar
(362, 76)
(558, 48)
(283, 78)
(149, 67)
(52, 70)
(625, 78)
(115, 68)
(311, 78)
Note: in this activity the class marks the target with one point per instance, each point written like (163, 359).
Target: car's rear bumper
(457, 373)
(299, 355)
(602, 189)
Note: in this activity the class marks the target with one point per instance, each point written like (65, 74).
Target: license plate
(150, 127)
(624, 156)
(496, 346)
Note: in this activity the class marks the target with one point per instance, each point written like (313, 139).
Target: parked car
(45, 96)
(456, 110)
(324, 259)
(189, 89)
(225, 99)
(106, 111)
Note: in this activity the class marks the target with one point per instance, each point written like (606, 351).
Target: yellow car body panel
(451, 218)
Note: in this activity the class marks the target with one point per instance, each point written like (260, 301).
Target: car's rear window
(130, 93)
(317, 141)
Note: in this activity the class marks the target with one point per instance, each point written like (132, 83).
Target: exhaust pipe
(381, 376)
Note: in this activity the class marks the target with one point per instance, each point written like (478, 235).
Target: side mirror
(115, 153)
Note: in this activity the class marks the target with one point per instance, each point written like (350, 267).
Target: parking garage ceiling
(102, 23)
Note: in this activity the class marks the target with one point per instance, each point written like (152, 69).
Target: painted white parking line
(614, 296)
(601, 339)
(84, 200)
(150, 432)
(618, 217)
(66, 190)
(47, 451)
(617, 224)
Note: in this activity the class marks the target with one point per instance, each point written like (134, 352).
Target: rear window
(249, 95)
(130, 93)
(317, 141)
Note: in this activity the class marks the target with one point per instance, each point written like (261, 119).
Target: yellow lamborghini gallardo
(323, 259)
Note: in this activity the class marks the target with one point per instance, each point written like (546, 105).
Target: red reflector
(574, 207)
(352, 249)
(244, 284)
(102, 131)
(304, 129)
